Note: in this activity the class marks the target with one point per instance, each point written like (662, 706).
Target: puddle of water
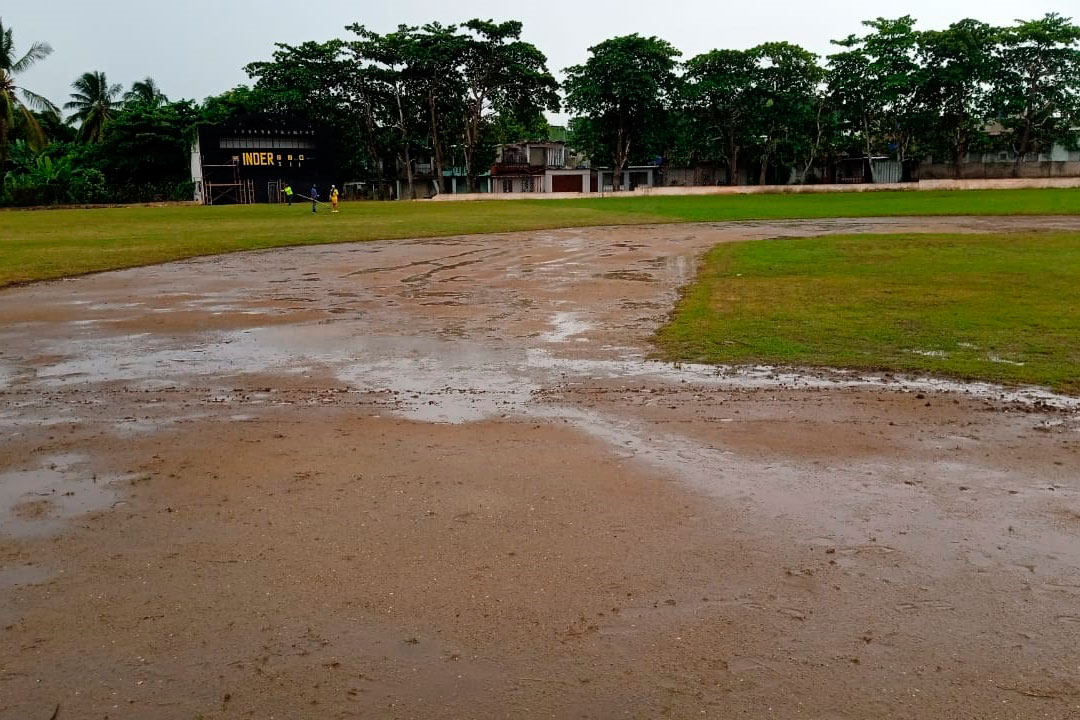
(764, 377)
(36, 503)
(442, 381)
(153, 362)
(23, 575)
(566, 325)
(1003, 361)
(113, 306)
(7, 375)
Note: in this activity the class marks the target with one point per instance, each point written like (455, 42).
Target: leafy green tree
(94, 104)
(503, 76)
(145, 152)
(387, 57)
(821, 135)
(145, 92)
(43, 181)
(783, 103)
(370, 95)
(1037, 93)
(318, 83)
(240, 100)
(717, 103)
(623, 93)
(434, 58)
(52, 127)
(302, 81)
(17, 102)
(874, 86)
(958, 67)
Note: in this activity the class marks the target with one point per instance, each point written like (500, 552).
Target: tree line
(782, 112)
(449, 94)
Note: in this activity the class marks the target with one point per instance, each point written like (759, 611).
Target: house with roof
(540, 166)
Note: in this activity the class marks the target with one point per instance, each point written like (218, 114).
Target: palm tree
(11, 106)
(145, 92)
(94, 103)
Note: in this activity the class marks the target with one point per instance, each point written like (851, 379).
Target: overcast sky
(198, 48)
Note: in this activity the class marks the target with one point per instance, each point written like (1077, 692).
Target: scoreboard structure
(252, 159)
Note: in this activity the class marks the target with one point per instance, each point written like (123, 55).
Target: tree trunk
(960, 150)
(435, 142)
(733, 164)
(764, 169)
(622, 150)
(3, 154)
(1025, 140)
(405, 143)
(472, 139)
(373, 150)
(869, 148)
(813, 148)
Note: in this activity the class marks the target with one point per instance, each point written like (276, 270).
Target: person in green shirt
(288, 194)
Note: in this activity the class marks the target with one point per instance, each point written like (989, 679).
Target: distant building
(540, 167)
(633, 177)
(251, 159)
(1058, 160)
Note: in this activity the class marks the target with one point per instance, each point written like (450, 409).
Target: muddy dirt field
(442, 479)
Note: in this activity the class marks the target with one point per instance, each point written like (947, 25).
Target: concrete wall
(1001, 184)
(1000, 170)
(945, 184)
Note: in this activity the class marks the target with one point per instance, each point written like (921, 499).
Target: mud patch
(39, 502)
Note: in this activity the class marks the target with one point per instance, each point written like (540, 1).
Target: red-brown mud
(440, 479)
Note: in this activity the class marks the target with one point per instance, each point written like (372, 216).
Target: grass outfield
(993, 307)
(58, 243)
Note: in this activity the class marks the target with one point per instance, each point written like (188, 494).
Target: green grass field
(994, 307)
(39, 245)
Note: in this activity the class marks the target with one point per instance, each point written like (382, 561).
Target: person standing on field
(333, 198)
(288, 194)
(314, 197)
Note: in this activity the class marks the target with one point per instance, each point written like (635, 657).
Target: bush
(89, 186)
(184, 190)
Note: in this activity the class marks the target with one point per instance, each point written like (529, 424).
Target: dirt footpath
(441, 479)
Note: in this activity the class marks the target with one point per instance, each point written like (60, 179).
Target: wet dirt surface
(440, 478)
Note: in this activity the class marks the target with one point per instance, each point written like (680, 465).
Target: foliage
(959, 68)
(145, 151)
(622, 93)
(17, 102)
(420, 101)
(716, 102)
(873, 84)
(505, 76)
(1037, 93)
(93, 104)
(146, 93)
(783, 101)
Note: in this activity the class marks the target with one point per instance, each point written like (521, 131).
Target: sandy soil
(441, 479)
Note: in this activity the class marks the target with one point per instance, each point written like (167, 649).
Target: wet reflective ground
(425, 415)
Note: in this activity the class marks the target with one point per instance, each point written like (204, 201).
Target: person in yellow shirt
(333, 198)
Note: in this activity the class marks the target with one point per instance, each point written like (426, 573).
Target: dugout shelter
(250, 159)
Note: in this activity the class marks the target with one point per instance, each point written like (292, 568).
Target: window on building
(258, 143)
(508, 185)
(527, 184)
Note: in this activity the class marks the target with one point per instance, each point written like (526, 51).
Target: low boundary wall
(950, 184)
